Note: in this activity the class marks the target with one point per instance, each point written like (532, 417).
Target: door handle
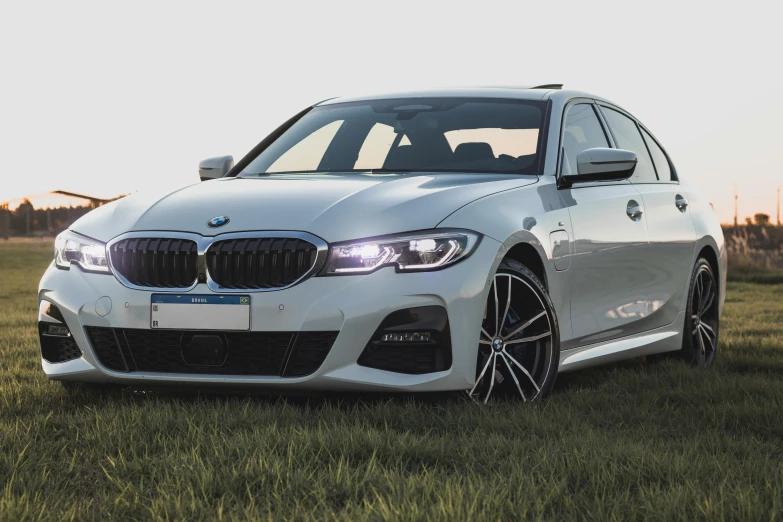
(681, 202)
(634, 210)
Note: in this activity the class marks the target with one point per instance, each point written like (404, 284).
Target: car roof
(502, 92)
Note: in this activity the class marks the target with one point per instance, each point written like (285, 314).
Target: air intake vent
(156, 262)
(280, 354)
(260, 263)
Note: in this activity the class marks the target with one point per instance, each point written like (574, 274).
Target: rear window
(660, 160)
(403, 135)
(626, 135)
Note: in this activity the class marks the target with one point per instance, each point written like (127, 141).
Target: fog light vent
(57, 344)
(412, 341)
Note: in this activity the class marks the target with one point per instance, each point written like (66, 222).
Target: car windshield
(404, 135)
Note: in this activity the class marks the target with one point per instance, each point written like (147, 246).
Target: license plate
(200, 312)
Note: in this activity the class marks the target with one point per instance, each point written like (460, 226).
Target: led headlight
(89, 254)
(417, 251)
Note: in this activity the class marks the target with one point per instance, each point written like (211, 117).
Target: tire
(700, 332)
(521, 360)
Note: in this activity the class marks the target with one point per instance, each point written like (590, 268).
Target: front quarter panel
(526, 215)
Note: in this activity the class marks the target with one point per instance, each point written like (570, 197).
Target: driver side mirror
(602, 164)
(214, 168)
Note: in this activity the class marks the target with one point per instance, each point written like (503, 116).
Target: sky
(106, 98)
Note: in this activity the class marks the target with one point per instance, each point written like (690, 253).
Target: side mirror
(214, 168)
(602, 164)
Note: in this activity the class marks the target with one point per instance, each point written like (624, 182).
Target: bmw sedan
(471, 239)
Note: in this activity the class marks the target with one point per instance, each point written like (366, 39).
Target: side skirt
(665, 339)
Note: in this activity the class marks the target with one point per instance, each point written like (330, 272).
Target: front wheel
(519, 344)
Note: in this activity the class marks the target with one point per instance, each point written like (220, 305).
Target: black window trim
(674, 177)
(266, 142)
(639, 126)
(609, 138)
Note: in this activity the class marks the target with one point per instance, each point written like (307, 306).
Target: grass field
(634, 441)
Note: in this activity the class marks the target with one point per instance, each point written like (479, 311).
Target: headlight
(89, 254)
(412, 252)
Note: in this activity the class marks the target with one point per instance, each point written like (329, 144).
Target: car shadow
(588, 378)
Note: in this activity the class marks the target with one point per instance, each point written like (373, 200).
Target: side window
(659, 158)
(582, 131)
(626, 136)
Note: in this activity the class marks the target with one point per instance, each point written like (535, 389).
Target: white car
(467, 239)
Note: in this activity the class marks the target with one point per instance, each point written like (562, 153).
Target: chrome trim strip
(205, 242)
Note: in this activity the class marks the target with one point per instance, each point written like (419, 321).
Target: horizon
(102, 101)
(49, 197)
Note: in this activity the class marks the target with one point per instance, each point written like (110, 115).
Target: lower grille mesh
(285, 354)
(310, 350)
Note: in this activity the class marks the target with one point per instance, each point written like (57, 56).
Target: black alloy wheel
(700, 338)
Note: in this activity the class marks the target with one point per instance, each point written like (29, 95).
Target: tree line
(27, 221)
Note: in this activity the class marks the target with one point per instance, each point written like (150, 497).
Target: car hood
(334, 207)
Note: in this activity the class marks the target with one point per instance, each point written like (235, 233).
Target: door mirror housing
(214, 168)
(602, 164)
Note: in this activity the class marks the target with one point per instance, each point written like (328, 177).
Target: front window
(582, 131)
(403, 135)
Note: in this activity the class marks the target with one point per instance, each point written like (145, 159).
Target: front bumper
(353, 305)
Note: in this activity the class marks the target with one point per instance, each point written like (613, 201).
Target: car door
(609, 285)
(670, 228)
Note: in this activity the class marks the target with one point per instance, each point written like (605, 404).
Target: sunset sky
(106, 98)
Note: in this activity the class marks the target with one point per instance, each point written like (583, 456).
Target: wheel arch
(708, 253)
(527, 254)
(707, 248)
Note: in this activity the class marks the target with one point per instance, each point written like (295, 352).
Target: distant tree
(24, 208)
(761, 219)
(748, 221)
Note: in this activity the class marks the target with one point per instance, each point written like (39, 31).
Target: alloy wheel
(515, 355)
(704, 315)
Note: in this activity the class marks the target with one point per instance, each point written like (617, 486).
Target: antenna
(736, 197)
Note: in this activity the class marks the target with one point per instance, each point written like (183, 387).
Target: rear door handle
(634, 210)
(681, 202)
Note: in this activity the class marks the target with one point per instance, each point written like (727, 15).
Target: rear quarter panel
(708, 234)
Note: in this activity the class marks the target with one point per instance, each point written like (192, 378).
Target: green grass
(634, 441)
(747, 273)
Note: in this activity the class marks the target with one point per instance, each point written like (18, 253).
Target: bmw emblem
(218, 221)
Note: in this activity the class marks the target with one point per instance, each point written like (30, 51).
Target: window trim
(672, 170)
(609, 138)
(675, 180)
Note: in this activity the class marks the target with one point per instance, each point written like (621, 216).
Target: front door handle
(634, 210)
(681, 202)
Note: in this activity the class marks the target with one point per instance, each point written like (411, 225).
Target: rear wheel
(700, 338)
(519, 345)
